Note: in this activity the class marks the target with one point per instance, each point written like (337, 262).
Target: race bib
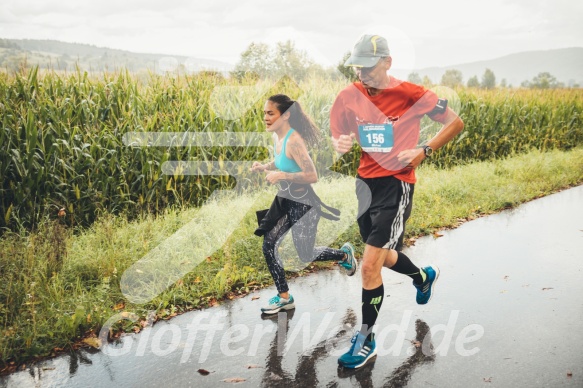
(376, 137)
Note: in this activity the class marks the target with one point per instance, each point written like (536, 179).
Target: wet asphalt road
(507, 312)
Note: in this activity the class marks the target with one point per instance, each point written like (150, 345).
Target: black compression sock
(406, 267)
(371, 305)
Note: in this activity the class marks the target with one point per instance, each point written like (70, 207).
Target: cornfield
(62, 145)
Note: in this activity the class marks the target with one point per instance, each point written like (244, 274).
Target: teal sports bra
(282, 162)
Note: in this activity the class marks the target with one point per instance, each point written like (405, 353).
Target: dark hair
(298, 120)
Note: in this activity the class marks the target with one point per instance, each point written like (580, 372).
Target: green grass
(483, 188)
(59, 286)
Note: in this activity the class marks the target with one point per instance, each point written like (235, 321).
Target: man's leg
(399, 262)
(423, 278)
(372, 287)
(363, 345)
(372, 283)
(379, 201)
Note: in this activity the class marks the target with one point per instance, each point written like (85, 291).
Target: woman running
(296, 203)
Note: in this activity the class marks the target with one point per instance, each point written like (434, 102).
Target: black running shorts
(384, 205)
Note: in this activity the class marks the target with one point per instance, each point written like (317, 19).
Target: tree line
(259, 59)
(453, 78)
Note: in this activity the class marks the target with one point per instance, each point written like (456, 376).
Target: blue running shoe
(278, 303)
(360, 352)
(349, 263)
(425, 289)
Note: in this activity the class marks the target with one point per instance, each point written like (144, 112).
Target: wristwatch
(428, 150)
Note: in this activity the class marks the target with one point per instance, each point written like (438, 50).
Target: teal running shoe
(278, 303)
(349, 263)
(425, 289)
(360, 352)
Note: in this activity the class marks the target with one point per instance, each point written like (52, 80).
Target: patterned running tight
(304, 220)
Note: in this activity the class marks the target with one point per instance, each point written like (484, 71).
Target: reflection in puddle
(306, 375)
(402, 374)
(423, 355)
(77, 357)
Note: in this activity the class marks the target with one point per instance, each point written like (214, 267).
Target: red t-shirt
(403, 104)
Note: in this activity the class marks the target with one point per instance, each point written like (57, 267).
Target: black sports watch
(428, 150)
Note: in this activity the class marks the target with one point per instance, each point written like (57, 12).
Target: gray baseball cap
(367, 51)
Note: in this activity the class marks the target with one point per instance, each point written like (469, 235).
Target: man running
(383, 114)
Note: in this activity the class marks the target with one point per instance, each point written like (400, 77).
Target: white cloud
(7, 16)
(425, 33)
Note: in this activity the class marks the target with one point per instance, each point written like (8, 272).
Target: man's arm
(452, 125)
(343, 143)
(341, 136)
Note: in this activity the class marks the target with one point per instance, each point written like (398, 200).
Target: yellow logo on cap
(373, 40)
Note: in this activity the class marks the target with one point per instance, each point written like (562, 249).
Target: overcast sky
(420, 33)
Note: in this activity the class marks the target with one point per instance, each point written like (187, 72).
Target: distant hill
(64, 56)
(565, 64)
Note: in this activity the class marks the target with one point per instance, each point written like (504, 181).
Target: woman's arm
(258, 167)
